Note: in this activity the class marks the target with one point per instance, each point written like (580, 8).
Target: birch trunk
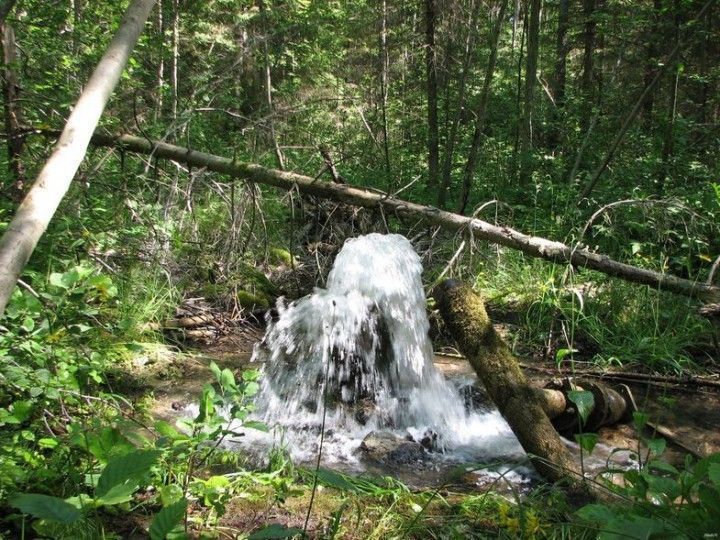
(51, 185)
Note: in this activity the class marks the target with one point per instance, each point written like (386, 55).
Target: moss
(281, 256)
(467, 320)
(251, 276)
(255, 300)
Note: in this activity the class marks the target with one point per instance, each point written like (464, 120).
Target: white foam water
(356, 357)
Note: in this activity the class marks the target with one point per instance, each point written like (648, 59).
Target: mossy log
(521, 405)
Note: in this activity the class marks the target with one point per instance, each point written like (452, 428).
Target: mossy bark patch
(467, 320)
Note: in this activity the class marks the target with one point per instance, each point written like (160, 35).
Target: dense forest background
(595, 123)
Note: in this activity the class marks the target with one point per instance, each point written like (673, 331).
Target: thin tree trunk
(161, 62)
(433, 140)
(13, 114)
(559, 76)
(516, 17)
(455, 122)
(589, 35)
(670, 60)
(477, 229)
(526, 127)
(669, 135)
(176, 131)
(41, 202)
(385, 88)
(175, 56)
(651, 59)
(480, 112)
(518, 91)
(280, 159)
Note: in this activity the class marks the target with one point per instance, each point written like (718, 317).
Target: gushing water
(355, 357)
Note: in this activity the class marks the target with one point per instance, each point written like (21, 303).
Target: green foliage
(584, 402)
(46, 507)
(276, 530)
(665, 501)
(167, 519)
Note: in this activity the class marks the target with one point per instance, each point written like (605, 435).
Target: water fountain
(355, 358)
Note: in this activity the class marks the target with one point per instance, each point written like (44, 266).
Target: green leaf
(215, 370)
(227, 379)
(21, 410)
(709, 497)
(48, 443)
(275, 531)
(56, 280)
(170, 494)
(714, 473)
(640, 419)
(28, 324)
(251, 375)
(657, 446)
(166, 430)
(117, 494)
(46, 507)
(207, 404)
(584, 401)
(251, 389)
(562, 353)
(662, 466)
(167, 519)
(127, 469)
(335, 480)
(595, 513)
(631, 527)
(253, 424)
(587, 441)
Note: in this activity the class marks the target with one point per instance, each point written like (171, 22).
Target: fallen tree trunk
(522, 406)
(475, 228)
(530, 245)
(39, 205)
(193, 321)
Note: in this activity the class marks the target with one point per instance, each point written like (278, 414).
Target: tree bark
(268, 90)
(464, 314)
(161, 62)
(532, 246)
(533, 46)
(651, 59)
(455, 122)
(589, 34)
(13, 114)
(433, 139)
(480, 113)
(669, 134)
(559, 75)
(385, 88)
(41, 202)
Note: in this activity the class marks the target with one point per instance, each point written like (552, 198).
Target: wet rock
(388, 448)
(429, 440)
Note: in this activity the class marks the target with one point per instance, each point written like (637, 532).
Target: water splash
(355, 357)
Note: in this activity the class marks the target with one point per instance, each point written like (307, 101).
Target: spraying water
(355, 357)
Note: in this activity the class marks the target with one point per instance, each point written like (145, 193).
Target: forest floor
(689, 416)
(169, 381)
